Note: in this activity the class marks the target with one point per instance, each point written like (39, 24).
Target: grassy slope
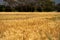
(30, 26)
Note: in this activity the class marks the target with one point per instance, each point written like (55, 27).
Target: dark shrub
(8, 9)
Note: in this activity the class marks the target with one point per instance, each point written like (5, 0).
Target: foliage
(58, 7)
(30, 6)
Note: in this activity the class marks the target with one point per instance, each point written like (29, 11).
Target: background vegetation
(38, 6)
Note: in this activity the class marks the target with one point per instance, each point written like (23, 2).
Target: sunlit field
(30, 26)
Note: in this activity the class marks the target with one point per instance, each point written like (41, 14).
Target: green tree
(2, 8)
(58, 7)
(44, 5)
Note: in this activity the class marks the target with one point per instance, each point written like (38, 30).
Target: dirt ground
(30, 26)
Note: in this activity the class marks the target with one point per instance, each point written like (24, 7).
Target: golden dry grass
(29, 26)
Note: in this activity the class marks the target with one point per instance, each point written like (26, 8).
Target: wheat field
(30, 26)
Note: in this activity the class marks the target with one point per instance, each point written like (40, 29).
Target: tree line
(39, 6)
